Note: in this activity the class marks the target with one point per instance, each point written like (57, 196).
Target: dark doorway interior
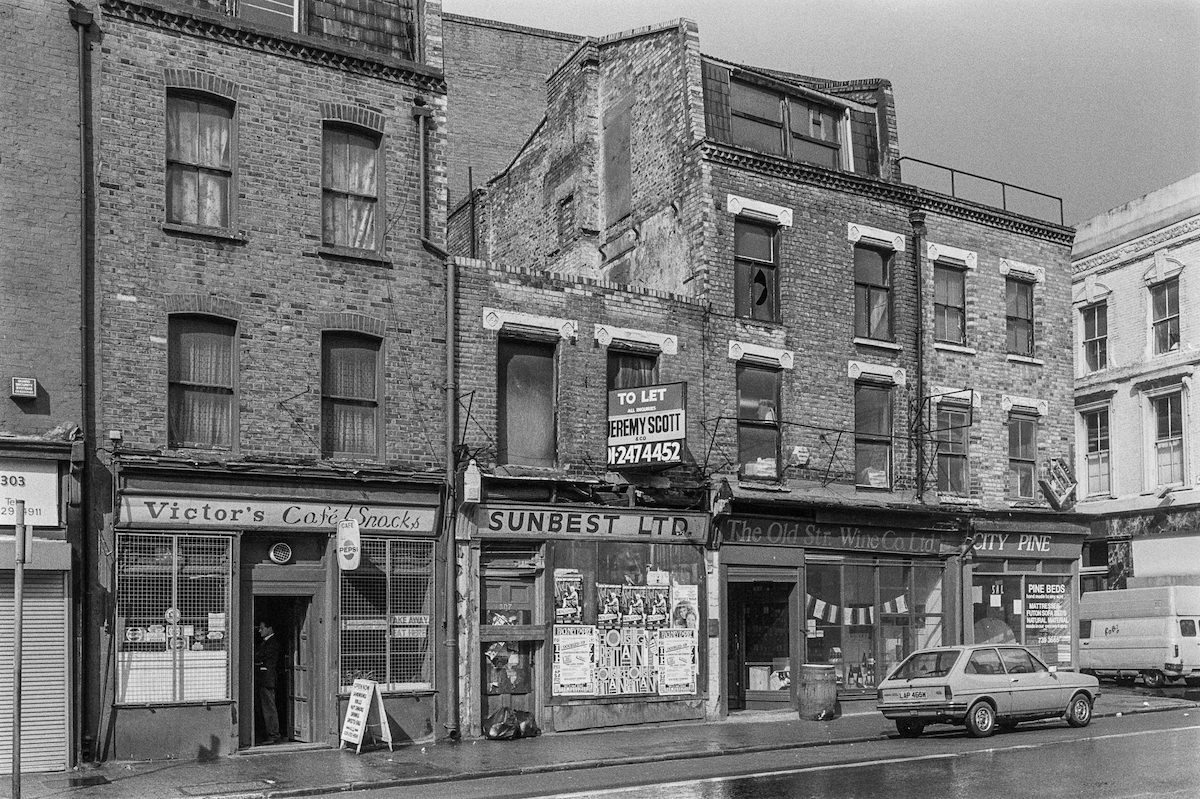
(760, 629)
(288, 615)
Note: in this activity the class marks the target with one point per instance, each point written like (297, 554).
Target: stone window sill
(959, 348)
(878, 343)
(1025, 359)
(352, 254)
(205, 232)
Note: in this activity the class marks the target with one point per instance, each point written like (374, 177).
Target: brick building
(857, 388)
(42, 365)
(270, 353)
(1136, 282)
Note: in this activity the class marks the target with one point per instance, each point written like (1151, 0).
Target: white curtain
(198, 161)
(201, 382)
(349, 394)
(351, 192)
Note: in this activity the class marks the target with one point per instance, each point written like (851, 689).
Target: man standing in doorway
(266, 665)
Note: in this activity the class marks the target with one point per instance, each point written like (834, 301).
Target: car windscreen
(927, 664)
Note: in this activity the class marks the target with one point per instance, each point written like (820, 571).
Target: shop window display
(1033, 610)
(863, 619)
(626, 619)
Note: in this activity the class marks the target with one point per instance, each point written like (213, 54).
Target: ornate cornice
(895, 193)
(1137, 248)
(192, 21)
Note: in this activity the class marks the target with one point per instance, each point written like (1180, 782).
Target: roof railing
(977, 188)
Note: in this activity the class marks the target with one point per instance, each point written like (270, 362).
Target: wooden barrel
(816, 693)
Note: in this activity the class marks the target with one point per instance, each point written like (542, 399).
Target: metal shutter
(45, 714)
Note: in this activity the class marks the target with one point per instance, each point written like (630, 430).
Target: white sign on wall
(36, 482)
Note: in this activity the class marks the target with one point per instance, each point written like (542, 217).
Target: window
(953, 428)
(200, 382)
(1019, 316)
(525, 405)
(350, 188)
(1164, 302)
(1019, 661)
(187, 660)
(1096, 423)
(1168, 438)
(984, 661)
(872, 293)
(199, 160)
(274, 13)
(1022, 456)
(756, 283)
(759, 117)
(387, 609)
(949, 304)
(758, 421)
(349, 395)
(628, 369)
(873, 435)
(1187, 628)
(1095, 337)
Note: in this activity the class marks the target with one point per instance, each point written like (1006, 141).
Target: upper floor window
(872, 293)
(627, 369)
(525, 403)
(873, 435)
(201, 392)
(1168, 438)
(350, 187)
(199, 160)
(1098, 477)
(1022, 456)
(770, 121)
(1095, 337)
(1164, 308)
(349, 395)
(952, 435)
(949, 304)
(275, 13)
(1019, 316)
(758, 421)
(756, 278)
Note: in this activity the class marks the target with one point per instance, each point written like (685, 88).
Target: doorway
(759, 654)
(290, 618)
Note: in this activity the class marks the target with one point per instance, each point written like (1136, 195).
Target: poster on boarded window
(572, 671)
(1048, 619)
(676, 662)
(568, 589)
(623, 664)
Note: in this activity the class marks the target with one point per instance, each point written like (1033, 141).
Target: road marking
(858, 763)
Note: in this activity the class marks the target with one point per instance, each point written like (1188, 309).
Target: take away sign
(349, 547)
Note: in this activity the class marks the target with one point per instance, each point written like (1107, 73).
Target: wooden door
(300, 678)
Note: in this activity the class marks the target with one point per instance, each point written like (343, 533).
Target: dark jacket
(266, 661)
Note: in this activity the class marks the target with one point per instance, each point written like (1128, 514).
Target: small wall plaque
(24, 388)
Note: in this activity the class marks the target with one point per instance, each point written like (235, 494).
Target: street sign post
(18, 602)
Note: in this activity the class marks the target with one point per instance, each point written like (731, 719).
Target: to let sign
(647, 426)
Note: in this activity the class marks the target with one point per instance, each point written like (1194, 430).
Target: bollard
(816, 693)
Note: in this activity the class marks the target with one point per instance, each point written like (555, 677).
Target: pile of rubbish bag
(507, 724)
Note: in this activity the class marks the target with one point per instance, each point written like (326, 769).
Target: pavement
(292, 770)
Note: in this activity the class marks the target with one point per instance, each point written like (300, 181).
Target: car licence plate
(931, 694)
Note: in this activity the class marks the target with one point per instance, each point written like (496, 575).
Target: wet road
(1151, 755)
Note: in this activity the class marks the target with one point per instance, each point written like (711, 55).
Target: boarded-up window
(617, 189)
(525, 405)
(716, 101)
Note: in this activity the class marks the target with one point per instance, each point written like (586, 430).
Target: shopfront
(823, 590)
(587, 616)
(1024, 586)
(197, 570)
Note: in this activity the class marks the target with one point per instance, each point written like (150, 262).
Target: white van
(1147, 631)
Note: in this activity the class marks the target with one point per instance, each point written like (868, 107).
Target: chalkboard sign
(365, 698)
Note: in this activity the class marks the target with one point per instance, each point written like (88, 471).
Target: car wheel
(1079, 712)
(909, 728)
(981, 720)
(1154, 679)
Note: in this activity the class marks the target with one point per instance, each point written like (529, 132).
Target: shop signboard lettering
(647, 426)
(1014, 544)
(494, 521)
(35, 482)
(1048, 618)
(779, 532)
(206, 512)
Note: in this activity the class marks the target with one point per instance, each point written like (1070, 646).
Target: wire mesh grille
(386, 615)
(173, 598)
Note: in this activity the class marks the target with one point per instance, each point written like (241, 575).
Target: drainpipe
(916, 218)
(83, 21)
(421, 112)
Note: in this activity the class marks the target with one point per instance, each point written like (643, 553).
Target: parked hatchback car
(982, 687)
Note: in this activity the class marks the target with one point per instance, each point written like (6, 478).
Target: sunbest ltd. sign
(516, 521)
(779, 532)
(189, 512)
(647, 426)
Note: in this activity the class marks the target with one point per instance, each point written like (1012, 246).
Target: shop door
(760, 631)
(289, 616)
(509, 639)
